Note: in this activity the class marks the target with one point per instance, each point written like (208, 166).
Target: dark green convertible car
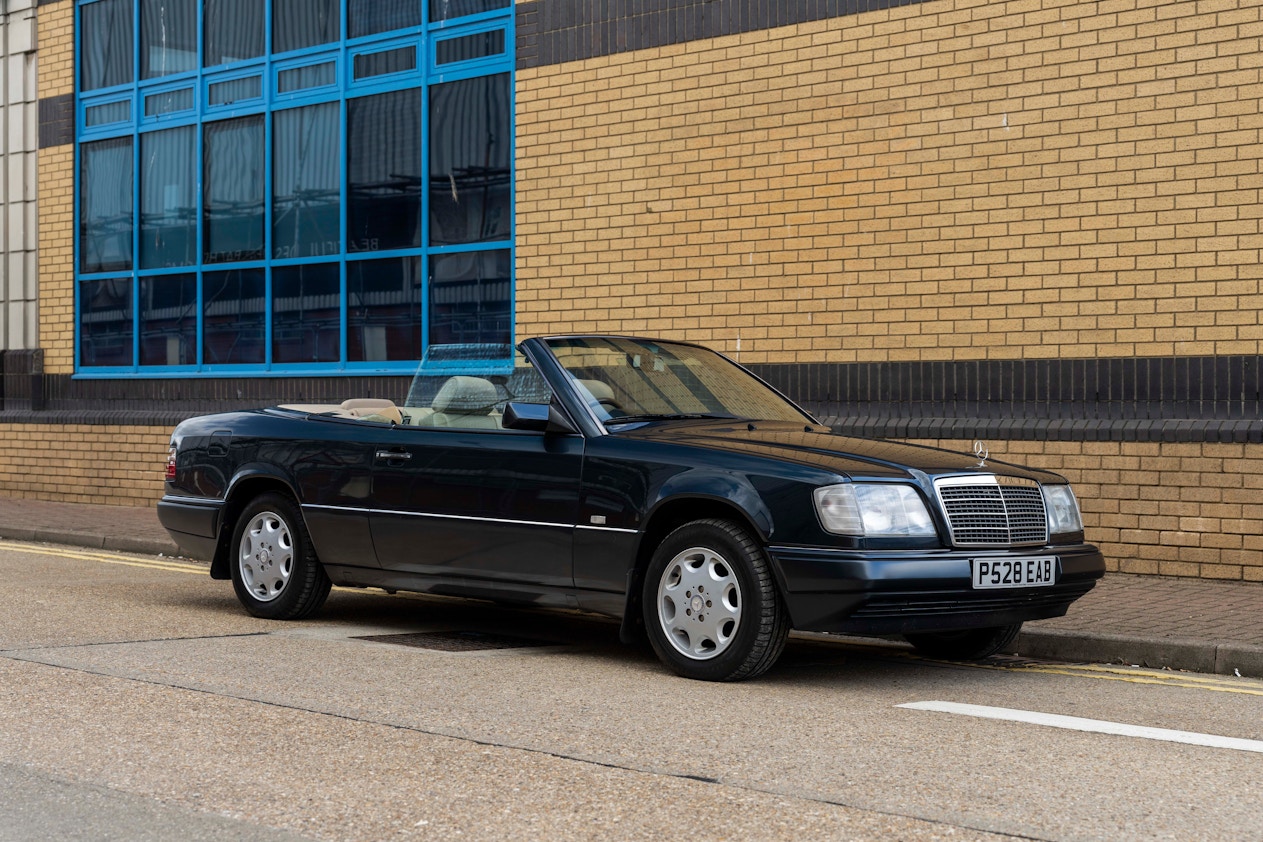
(657, 482)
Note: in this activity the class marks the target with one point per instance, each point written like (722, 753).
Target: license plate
(1014, 572)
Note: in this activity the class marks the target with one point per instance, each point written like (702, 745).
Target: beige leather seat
(467, 402)
(373, 409)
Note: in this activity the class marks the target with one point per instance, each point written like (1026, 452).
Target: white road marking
(1096, 726)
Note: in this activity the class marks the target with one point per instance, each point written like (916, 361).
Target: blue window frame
(251, 186)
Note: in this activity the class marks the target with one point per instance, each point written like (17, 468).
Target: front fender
(720, 487)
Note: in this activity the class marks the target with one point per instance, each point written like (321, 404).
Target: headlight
(873, 511)
(1063, 510)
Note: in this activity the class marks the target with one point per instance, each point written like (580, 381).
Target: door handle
(393, 454)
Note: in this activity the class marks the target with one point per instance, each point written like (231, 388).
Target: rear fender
(249, 482)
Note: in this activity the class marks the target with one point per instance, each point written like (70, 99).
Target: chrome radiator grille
(989, 511)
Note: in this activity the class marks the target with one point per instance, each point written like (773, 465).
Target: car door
(460, 497)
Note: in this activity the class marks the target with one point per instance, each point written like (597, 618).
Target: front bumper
(894, 592)
(192, 523)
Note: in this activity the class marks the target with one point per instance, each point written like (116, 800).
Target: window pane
(386, 61)
(103, 115)
(311, 76)
(470, 300)
(168, 203)
(105, 211)
(107, 44)
(368, 17)
(105, 322)
(448, 9)
(234, 31)
(304, 23)
(384, 309)
(168, 37)
(305, 178)
(470, 149)
(169, 102)
(384, 171)
(469, 47)
(168, 320)
(306, 313)
(236, 90)
(233, 186)
(233, 317)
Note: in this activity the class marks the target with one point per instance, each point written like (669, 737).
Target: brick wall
(83, 463)
(950, 180)
(56, 194)
(1190, 509)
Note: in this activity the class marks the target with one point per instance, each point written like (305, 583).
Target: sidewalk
(1187, 624)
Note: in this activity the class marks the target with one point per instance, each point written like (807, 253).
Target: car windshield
(627, 380)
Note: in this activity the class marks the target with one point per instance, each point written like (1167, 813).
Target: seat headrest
(466, 395)
(598, 390)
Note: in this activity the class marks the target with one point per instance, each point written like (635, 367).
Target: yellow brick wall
(1160, 508)
(55, 23)
(960, 179)
(115, 465)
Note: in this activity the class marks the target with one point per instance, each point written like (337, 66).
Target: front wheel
(710, 603)
(275, 571)
(968, 645)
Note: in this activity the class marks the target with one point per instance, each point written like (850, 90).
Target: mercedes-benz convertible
(655, 482)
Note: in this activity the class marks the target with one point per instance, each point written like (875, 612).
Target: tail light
(171, 463)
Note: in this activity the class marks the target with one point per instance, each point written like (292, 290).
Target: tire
(968, 645)
(711, 608)
(275, 571)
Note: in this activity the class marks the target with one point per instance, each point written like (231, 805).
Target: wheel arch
(250, 482)
(669, 515)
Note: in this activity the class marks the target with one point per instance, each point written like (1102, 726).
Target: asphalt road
(138, 701)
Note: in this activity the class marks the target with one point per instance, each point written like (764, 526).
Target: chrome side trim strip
(193, 501)
(462, 517)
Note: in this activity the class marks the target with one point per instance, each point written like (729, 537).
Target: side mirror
(535, 417)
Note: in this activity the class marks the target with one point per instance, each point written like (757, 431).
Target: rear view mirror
(535, 417)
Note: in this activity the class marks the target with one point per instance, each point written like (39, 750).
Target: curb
(1211, 657)
(91, 540)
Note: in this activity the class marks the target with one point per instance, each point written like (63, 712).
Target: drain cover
(457, 641)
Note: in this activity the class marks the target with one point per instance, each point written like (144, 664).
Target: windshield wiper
(677, 416)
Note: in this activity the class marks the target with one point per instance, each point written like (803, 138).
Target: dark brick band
(1216, 399)
(56, 121)
(556, 31)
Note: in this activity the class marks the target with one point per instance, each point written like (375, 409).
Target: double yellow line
(103, 557)
(1135, 675)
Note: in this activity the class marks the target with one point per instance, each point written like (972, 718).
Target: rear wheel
(275, 571)
(968, 645)
(710, 604)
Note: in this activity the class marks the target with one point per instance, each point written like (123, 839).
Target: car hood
(814, 447)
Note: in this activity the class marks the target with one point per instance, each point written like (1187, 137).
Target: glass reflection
(304, 23)
(369, 17)
(384, 171)
(105, 322)
(449, 9)
(168, 320)
(306, 313)
(168, 37)
(168, 206)
(470, 159)
(233, 193)
(234, 317)
(305, 185)
(105, 209)
(471, 299)
(234, 31)
(384, 309)
(106, 51)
